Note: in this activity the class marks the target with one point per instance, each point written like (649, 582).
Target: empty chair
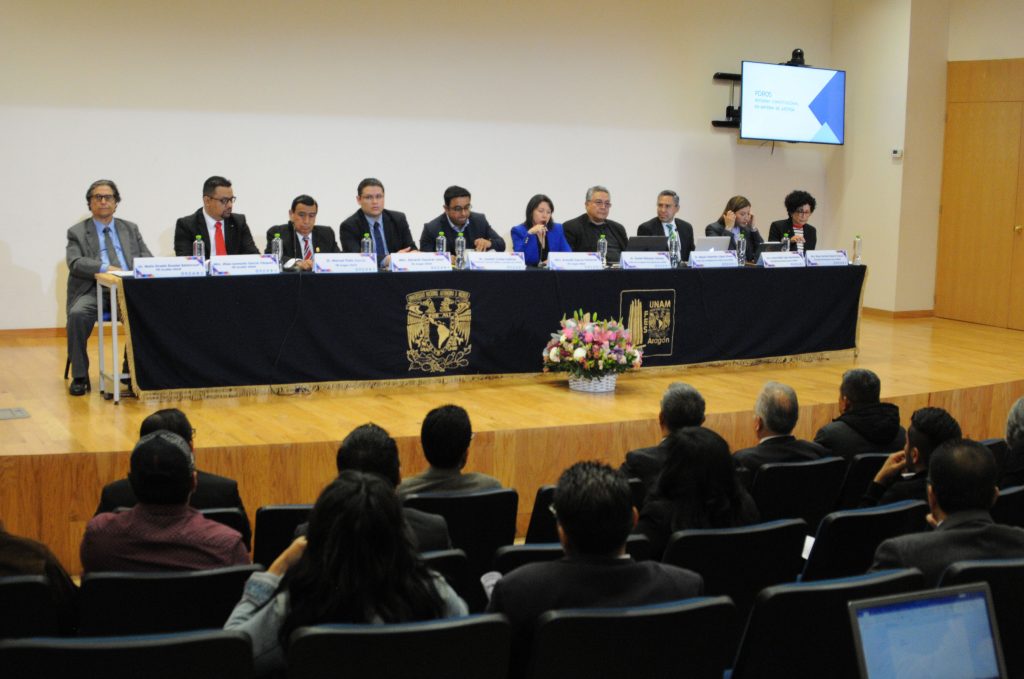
(27, 608)
(147, 603)
(232, 517)
(859, 475)
(798, 490)
(478, 522)
(454, 566)
(542, 522)
(847, 540)
(197, 655)
(803, 629)
(474, 647)
(676, 639)
(275, 530)
(1009, 507)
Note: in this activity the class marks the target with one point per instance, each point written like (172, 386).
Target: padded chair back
(676, 639)
(1000, 450)
(215, 654)
(511, 557)
(798, 490)
(847, 540)
(639, 492)
(27, 608)
(474, 647)
(454, 566)
(1005, 577)
(478, 522)
(803, 629)
(1009, 507)
(859, 474)
(275, 530)
(542, 521)
(639, 547)
(232, 517)
(154, 603)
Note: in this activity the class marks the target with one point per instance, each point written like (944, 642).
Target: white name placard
(243, 265)
(169, 267)
(713, 259)
(574, 261)
(780, 260)
(344, 262)
(420, 261)
(496, 261)
(826, 258)
(646, 260)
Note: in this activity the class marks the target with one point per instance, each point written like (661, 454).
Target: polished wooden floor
(281, 448)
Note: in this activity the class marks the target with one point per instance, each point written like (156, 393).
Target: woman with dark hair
(802, 236)
(698, 488)
(737, 220)
(539, 234)
(356, 565)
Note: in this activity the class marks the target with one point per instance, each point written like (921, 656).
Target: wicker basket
(594, 385)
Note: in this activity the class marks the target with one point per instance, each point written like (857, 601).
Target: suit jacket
(753, 238)
(583, 237)
(212, 492)
(478, 227)
(911, 488)
(786, 226)
(529, 245)
(83, 254)
(872, 428)
(966, 535)
(779, 449)
(396, 231)
(323, 240)
(653, 227)
(237, 238)
(443, 480)
(645, 464)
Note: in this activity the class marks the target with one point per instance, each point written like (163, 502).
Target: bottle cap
(366, 235)
(198, 237)
(277, 235)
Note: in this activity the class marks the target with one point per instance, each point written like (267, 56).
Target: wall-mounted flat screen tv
(792, 103)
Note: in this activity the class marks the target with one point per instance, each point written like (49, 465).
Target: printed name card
(713, 259)
(344, 262)
(646, 260)
(574, 261)
(243, 265)
(496, 261)
(827, 258)
(420, 261)
(780, 260)
(169, 267)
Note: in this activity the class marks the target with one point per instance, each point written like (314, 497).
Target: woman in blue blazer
(542, 235)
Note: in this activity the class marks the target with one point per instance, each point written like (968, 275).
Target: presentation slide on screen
(792, 103)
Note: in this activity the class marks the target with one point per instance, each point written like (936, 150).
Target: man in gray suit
(98, 244)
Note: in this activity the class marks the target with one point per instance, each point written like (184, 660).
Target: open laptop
(948, 632)
(709, 243)
(769, 246)
(647, 244)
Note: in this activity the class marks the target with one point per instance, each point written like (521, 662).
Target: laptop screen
(948, 632)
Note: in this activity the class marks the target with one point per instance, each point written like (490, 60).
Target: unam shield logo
(650, 316)
(438, 324)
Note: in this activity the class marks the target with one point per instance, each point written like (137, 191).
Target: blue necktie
(378, 242)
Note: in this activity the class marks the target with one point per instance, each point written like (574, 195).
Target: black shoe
(80, 386)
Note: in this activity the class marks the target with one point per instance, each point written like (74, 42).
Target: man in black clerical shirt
(584, 231)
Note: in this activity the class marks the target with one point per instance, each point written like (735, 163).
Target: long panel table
(208, 333)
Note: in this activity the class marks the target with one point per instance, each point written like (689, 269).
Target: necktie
(378, 242)
(670, 228)
(218, 240)
(112, 257)
(307, 252)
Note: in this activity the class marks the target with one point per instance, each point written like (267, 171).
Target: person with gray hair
(666, 222)
(1013, 462)
(681, 406)
(583, 232)
(865, 424)
(775, 415)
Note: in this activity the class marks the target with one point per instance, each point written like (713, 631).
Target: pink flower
(568, 333)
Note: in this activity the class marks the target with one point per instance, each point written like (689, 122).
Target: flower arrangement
(590, 348)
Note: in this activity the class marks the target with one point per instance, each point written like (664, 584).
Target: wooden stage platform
(281, 448)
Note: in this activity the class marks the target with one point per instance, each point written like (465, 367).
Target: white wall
(985, 29)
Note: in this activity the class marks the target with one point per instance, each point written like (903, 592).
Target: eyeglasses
(602, 203)
(224, 201)
(103, 197)
(459, 209)
(802, 212)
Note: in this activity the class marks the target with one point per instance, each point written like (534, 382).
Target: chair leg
(67, 368)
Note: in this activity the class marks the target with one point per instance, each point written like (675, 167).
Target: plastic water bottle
(856, 249)
(785, 242)
(277, 249)
(366, 245)
(199, 248)
(460, 251)
(800, 248)
(602, 247)
(674, 248)
(741, 250)
(441, 244)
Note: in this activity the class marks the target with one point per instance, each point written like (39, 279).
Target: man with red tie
(223, 233)
(301, 237)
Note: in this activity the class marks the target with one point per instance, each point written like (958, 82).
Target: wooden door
(1017, 262)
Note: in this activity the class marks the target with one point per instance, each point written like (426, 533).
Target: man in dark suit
(865, 425)
(223, 232)
(962, 476)
(212, 491)
(95, 245)
(583, 232)
(388, 229)
(775, 414)
(301, 237)
(665, 223)
(456, 219)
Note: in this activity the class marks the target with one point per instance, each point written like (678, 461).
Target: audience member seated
(161, 532)
(775, 414)
(681, 406)
(904, 476)
(962, 478)
(446, 435)
(22, 556)
(355, 566)
(594, 510)
(1013, 471)
(699, 488)
(865, 425)
(540, 234)
(212, 491)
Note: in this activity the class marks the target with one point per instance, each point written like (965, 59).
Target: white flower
(579, 354)
(555, 355)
